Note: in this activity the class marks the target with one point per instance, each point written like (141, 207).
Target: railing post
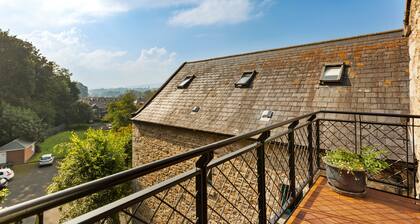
(40, 218)
(262, 215)
(291, 152)
(201, 188)
(318, 147)
(311, 150)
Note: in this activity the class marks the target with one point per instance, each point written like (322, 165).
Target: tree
(18, 122)
(119, 112)
(148, 94)
(99, 154)
(81, 113)
(28, 80)
(84, 91)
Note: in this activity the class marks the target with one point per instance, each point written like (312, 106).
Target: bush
(98, 154)
(368, 160)
(19, 122)
(3, 194)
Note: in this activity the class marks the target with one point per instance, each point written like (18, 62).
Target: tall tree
(28, 80)
(119, 112)
(84, 91)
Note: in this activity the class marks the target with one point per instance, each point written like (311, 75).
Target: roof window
(332, 73)
(266, 115)
(246, 79)
(195, 109)
(186, 82)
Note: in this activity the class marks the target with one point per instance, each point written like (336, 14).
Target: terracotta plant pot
(352, 183)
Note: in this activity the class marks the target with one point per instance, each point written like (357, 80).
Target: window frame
(270, 114)
(322, 79)
(248, 83)
(187, 79)
(195, 109)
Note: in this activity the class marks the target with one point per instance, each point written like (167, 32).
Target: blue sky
(110, 43)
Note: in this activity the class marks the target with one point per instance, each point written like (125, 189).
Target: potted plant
(346, 171)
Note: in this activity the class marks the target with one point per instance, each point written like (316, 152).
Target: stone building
(209, 100)
(287, 82)
(412, 33)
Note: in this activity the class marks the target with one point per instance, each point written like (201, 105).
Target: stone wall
(414, 68)
(152, 142)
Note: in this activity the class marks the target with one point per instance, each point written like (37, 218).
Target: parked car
(46, 159)
(7, 173)
(3, 183)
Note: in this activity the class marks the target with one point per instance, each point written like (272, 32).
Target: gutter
(407, 28)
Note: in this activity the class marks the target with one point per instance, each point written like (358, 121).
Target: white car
(46, 159)
(7, 173)
(3, 183)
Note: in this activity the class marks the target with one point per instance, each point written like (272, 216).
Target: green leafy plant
(95, 155)
(3, 194)
(369, 160)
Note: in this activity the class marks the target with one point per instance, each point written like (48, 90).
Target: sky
(129, 43)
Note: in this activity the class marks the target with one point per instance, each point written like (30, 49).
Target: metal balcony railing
(256, 177)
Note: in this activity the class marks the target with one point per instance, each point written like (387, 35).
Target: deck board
(323, 205)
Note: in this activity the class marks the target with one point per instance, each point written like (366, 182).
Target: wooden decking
(322, 205)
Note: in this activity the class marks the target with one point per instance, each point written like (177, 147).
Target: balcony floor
(323, 205)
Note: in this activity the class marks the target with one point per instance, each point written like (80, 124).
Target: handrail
(37, 205)
(53, 200)
(368, 113)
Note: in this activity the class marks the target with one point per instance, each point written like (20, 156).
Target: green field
(48, 144)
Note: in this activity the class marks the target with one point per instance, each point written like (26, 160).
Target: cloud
(43, 14)
(40, 14)
(101, 67)
(51, 25)
(210, 12)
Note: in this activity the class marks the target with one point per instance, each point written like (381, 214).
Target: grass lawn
(48, 144)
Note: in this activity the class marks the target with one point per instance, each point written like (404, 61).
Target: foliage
(368, 160)
(80, 113)
(28, 80)
(84, 91)
(47, 146)
(99, 154)
(146, 95)
(119, 112)
(3, 194)
(18, 122)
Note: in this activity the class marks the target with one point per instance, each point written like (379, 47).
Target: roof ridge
(298, 45)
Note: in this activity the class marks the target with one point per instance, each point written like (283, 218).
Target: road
(31, 182)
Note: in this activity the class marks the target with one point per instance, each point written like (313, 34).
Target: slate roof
(287, 82)
(16, 145)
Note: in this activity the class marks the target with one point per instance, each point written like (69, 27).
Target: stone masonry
(287, 82)
(413, 31)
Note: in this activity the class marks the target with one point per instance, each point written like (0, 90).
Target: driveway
(30, 182)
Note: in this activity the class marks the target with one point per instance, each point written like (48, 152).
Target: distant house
(17, 151)
(99, 105)
(139, 102)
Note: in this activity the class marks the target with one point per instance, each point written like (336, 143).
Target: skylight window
(332, 73)
(245, 80)
(195, 109)
(266, 115)
(186, 82)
